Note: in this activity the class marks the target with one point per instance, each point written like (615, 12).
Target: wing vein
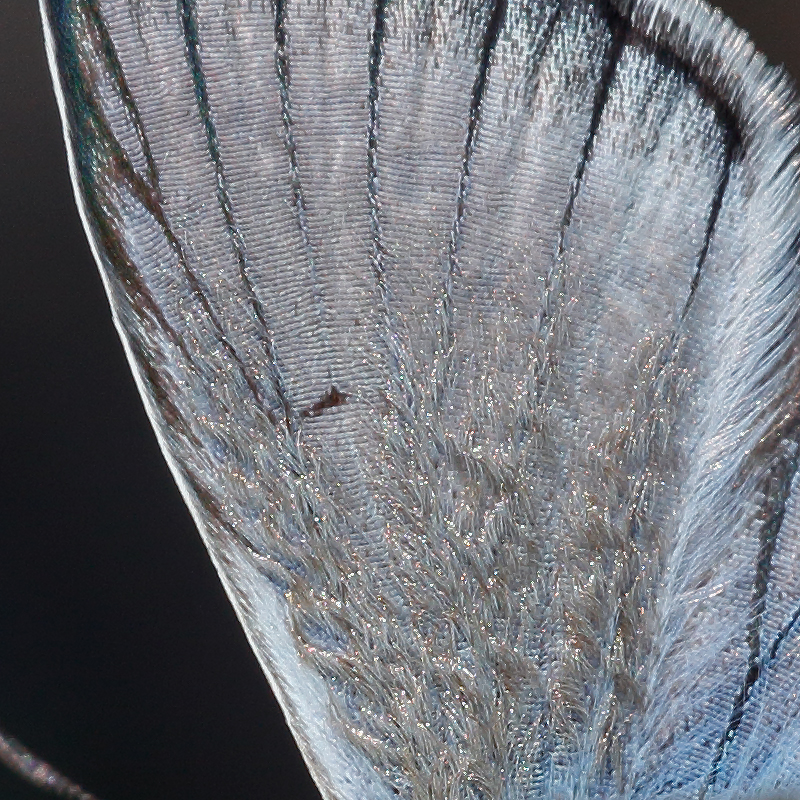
(777, 490)
(375, 59)
(620, 27)
(491, 35)
(192, 41)
(282, 72)
(731, 147)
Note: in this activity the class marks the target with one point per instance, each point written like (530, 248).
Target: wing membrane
(470, 334)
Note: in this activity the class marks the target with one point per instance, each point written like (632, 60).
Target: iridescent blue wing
(469, 332)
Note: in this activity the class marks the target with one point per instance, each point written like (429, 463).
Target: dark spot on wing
(332, 398)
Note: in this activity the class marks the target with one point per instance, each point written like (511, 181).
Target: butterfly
(455, 372)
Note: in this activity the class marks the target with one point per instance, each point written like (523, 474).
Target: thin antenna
(33, 769)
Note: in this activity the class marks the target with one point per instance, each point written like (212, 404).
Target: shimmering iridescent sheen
(469, 331)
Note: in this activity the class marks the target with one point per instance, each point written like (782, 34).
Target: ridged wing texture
(470, 333)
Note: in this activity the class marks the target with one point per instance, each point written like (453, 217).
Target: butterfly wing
(469, 333)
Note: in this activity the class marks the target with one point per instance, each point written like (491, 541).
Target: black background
(121, 661)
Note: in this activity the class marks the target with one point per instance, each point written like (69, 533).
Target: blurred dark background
(121, 661)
